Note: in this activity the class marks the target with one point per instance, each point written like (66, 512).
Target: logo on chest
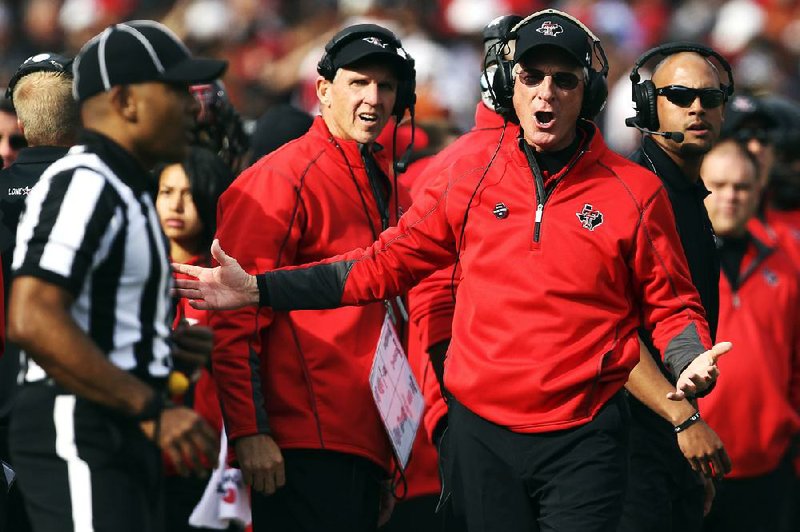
(589, 217)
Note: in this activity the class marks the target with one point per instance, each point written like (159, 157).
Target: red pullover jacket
(552, 289)
(755, 407)
(301, 376)
(431, 304)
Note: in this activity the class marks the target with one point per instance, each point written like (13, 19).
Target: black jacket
(16, 182)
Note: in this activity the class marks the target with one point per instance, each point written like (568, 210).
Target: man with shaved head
(674, 454)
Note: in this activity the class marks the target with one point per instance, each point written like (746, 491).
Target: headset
(406, 87)
(596, 91)
(644, 93)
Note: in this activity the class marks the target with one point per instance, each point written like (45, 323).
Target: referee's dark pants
(325, 491)
(664, 493)
(81, 468)
(562, 481)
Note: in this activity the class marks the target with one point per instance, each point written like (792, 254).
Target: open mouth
(368, 117)
(544, 118)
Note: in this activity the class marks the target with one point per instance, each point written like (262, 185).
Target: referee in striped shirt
(91, 305)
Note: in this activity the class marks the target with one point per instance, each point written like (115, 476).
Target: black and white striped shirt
(90, 227)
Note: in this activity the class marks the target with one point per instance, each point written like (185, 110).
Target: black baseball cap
(552, 29)
(746, 107)
(138, 51)
(370, 46)
(499, 28)
(43, 62)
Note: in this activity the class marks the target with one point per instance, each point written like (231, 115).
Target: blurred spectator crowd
(273, 45)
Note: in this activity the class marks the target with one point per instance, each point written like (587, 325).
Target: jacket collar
(660, 164)
(350, 148)
(587, 154)
(485, 118)
(40, 154)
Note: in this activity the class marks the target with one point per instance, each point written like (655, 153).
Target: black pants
(664, 494)
(82, 468)
(12, 509)
(415, 515)
(325, 490)
(751, 504)
(566, 481)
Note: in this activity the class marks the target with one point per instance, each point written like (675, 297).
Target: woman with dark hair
(186, 203)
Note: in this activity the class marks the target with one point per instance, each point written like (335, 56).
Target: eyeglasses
(685, 96)
(563, 80)
(16, 141)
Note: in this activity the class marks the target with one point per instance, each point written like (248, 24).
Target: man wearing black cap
(565, 249)
(91, 296)
(41, 91)
(294, 392)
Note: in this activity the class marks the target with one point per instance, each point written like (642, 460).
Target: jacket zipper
(538, 181)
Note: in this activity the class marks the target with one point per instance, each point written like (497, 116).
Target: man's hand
(192, 345)
(225, 287)
(703, 449)
(700, 374)
(187, 439)
(261, 462)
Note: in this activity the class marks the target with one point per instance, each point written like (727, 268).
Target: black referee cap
(138, 51)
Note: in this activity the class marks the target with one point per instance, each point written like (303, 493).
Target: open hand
(225, 287)
(700, 374)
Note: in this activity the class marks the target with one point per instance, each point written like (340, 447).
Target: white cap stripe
(101, 58)
(147, 46)
(164, 29)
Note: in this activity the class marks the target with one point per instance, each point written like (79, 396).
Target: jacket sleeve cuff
(682, 350)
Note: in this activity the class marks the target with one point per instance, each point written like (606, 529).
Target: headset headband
(684, 46)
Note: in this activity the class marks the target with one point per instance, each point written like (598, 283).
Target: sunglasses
(685, 96)
(563, 80)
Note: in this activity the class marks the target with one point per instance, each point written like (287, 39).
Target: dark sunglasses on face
(16, 141)
(563, 80)
(685, 96)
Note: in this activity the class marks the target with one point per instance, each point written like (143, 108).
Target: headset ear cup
(406, 98)
(594, 95)
(503, 87)
(649, 103)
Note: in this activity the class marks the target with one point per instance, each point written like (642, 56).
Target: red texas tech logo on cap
(589, 217)
(550, 28)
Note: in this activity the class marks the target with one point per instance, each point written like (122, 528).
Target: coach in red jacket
(565, 248)
(760, 311)
(294, 386)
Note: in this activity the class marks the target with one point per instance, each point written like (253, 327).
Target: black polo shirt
(697, 236)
